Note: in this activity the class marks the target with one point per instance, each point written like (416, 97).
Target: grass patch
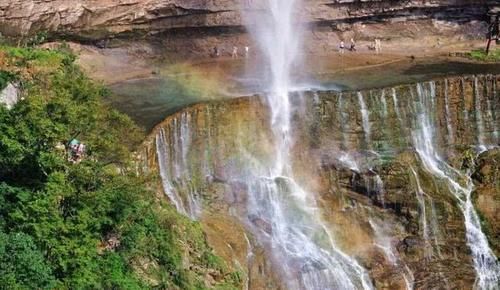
(480, 54)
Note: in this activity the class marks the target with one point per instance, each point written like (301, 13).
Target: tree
(22, 265)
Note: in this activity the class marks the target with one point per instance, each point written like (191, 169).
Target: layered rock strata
(195, 27)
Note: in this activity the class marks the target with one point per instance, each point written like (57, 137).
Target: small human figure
(216, 52)
(342, 47)
(235, 52)
(378, 46)
(247, 51)
(353, 45)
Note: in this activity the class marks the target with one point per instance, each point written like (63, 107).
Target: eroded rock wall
(195, 27)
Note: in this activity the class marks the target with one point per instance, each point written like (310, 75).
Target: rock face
(361, 154)
(94, 18)
(195, 26)
(9, 96)
(487, 195)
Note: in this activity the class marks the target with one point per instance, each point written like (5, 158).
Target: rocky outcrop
(9, 96)
(97, 19)
(194, 27)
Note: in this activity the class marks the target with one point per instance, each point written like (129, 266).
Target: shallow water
(149, 100)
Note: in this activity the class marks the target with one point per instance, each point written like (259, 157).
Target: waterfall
(479, 117)
(490, 111)
(365, 116)
(448, 115)
(302, 247)
(248, 169)
(383, 242)
(174, 168)
(461, 186)
(494, 111)
(250, 256)
(384, 104)
(379, 188)
(344, 126)
(163, 163)
(435, 229)
(396, 105)
(423, 215)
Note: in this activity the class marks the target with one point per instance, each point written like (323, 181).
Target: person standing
(353, 45)
(342, 47)
(235, 52)
(247, 51)
(216, 52)
(378, 45)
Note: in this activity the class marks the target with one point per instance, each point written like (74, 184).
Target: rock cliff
(194, 26)
(379, 199)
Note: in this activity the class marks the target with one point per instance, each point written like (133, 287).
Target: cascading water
(220, 153)
(493, 111)
(298, 240)
(431, 228)
(343, 125)
(479, 116)
(461, 186)
(449, 128)
(423, 215)
(365, 118)
(163, 163)
(174, 166)
(384, 243)
(384, 104)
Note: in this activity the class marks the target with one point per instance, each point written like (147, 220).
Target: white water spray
(163, 162)
(174, 168)
(302, 247)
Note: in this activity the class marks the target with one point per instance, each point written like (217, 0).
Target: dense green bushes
(91, 225)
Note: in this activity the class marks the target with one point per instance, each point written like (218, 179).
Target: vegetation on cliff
(480, 55)
(91, 225)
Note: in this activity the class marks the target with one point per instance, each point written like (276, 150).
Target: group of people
(76, 151)
(352, 46)
(234, 53)
(376, 45)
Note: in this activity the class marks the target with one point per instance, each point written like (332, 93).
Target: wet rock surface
(379, 201)
(487, 194)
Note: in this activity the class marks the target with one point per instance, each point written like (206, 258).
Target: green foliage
(22, 265)
(480, 54)
(5, 78)
(37, 38)
(91, 225)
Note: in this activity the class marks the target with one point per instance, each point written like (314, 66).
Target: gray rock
(9, 96)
